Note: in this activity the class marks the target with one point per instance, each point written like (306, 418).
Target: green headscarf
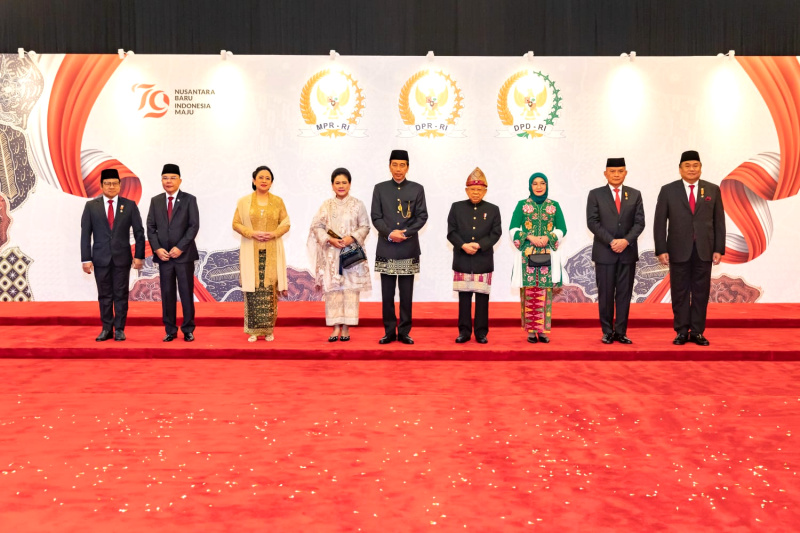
(542, 198)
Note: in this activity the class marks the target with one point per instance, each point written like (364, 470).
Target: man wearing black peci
(473, 228)
(689, 233)
(172, 225)
(106, 226)
(398, 213)
(615, 215)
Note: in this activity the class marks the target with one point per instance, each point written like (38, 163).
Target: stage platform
(738, 332)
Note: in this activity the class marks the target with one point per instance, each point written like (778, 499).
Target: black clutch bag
(350, 255)
(539, 260)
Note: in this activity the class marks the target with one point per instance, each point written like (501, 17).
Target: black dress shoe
(344, 338)
(105, 335)
(119, 335)
(698, 339)
(461, 339)
(333, 338)
(188, 337)
(405, 339)
(681, 339)
(608, 338)
(543, 338)
(622, 338)
(386, 339)
(169, 337)
(532, 338)
(481, 340)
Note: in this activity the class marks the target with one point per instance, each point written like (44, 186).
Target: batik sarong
(261, 306)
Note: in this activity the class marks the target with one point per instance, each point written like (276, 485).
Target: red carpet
(426, 314)
(67, 330)
(317, 436)
(324, 446)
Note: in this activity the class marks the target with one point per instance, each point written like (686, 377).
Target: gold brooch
(626, 195)
(702, 192)
(121, 208)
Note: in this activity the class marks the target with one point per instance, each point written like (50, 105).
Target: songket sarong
(537, 308)
(261, 306)
(397, 267)
(341, 307)
(464, 282)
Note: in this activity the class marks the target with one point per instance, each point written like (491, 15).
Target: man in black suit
(172, 224)
(473, 228)
(106, 226)
(398, 213)
(615, 215)
(694, 241)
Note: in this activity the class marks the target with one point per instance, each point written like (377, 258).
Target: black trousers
(465, 324)
(388, 284)
(174, 275)
(614, 289)
(112, 293)
(690, 287)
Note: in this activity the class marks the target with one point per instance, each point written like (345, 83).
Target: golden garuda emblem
(430, 105)
(432, 102)
(333, 103)
(529, 103)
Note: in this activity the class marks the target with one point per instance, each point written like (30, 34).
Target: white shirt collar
(694, 191)
(611, 187)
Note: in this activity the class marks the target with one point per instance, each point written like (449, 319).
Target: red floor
(227, 445)
(297, 343)
(765, 332)
(426, 314)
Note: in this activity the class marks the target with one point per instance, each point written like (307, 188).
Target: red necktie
(169, 208)
(691, 198)
(616, 200)
(111, 214)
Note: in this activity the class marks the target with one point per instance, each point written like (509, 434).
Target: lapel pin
(484, 216)
(121, 208)
(626, 195)
(702, 192)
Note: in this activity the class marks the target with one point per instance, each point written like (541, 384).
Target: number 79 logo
(156, 101)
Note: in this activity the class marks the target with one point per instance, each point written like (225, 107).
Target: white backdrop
(648, 111)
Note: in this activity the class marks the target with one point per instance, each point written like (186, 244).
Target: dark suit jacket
(706, 228)
(180, 231)
(606, 224)
(101, 245)
(468, 222)
(387, 218)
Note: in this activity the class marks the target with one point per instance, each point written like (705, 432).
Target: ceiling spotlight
(225, 54)
(430, 55)
(21, 53)
(121, 53)
(631, 56)
(528, 55)
(129, 53)
(334, 54)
